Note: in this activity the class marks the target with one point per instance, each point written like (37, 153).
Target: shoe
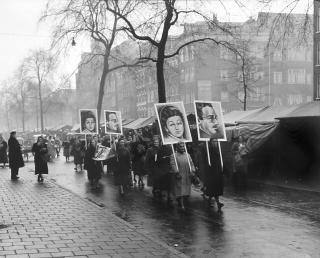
(220, 205)
(15, 178)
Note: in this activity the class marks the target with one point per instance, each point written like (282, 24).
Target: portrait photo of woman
(88, 121)
(173, 123)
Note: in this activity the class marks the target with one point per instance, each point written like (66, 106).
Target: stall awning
(236, 115)
(139, 123)
(75, 127)
(310, 109)
(267, 115)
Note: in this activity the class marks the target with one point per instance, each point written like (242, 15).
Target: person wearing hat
(15, 156)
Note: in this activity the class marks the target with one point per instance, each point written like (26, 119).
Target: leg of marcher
(219, 204)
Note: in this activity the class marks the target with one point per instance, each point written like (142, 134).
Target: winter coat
(182, 183)
(211, 176)
(123, 166)
(40, 159)
(3, 152)
(92, 166)
(15, 154)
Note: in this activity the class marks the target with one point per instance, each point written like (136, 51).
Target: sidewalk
(45, 220)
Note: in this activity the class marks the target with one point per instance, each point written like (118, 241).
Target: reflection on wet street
(262, 222)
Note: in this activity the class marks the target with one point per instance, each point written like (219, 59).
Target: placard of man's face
(209, 120)
(113, 122)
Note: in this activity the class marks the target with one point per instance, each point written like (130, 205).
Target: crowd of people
(169, 169)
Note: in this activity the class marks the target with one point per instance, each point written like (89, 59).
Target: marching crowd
(169, 169)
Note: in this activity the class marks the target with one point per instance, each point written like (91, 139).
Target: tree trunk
(41, 108)
(101, 88)
(161, 81)
(23, 116)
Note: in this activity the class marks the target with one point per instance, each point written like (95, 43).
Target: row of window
(295, 76)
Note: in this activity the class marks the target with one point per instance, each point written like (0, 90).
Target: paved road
(262, 222)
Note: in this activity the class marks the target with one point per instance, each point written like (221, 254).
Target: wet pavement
(264, 221)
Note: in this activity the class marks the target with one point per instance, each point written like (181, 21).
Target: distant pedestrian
(15, 156)
(211, 175)
(92, 166)
(123, 166)
(239, 176)
(66, 149)
(40, 153)
(78, 153)
(183, 174)
(3, 151)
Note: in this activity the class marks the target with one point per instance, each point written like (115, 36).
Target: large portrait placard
(88, 121)
(210, 124)
(173, 122)
(113, 122)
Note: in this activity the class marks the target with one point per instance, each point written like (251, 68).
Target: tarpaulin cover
(310, 109)
(267, 115)
(236, 115)
(255, 135)
(139, 123)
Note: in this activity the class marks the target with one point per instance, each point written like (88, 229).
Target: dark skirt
(41, 166)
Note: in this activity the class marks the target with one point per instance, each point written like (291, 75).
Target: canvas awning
(236, 115)
(310, 109)
(139, 123)
(75, 127)
(267, 115)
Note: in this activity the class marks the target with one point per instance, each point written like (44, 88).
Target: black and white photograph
(88, 121)
(209, 119)
(173, 122)
(160, 128)
(113, 122)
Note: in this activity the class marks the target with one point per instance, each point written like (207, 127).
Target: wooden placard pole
(221, 160)
(208, 153)
(174, 156)
(185, 146)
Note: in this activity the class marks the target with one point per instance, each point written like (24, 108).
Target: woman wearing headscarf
(183, 170)
(123, 166)
(92, 166)
(40, 153)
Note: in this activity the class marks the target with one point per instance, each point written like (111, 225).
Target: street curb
(285, 186)
(101, 206)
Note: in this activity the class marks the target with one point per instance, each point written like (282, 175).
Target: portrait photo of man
(113, 123)
(209, 120)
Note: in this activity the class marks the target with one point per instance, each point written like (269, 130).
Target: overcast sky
(20, 31)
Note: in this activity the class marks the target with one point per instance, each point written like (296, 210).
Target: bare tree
(38, 68)
(150, 22)
(92, 18)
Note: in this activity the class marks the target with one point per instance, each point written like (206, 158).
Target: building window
(191, 73)
(224, 75)
(318, 86)
(191, 52)
(294, 99)
(318, 19)
(259, 76)
(309, 78)
(182, 75)
(296, 76)
(318, 53)
(224, 96)
(225, 53)
(277, 77)
(296, 54)
(277, 55)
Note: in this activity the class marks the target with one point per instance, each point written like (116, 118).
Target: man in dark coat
(15, 156)
(211, 176)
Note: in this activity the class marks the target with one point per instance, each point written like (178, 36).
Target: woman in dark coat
(78, 153)
(211, 176)
(15, 156)
(66, 149)
(3, 151)
(40, 153)
(92, 166)
(123, 166)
